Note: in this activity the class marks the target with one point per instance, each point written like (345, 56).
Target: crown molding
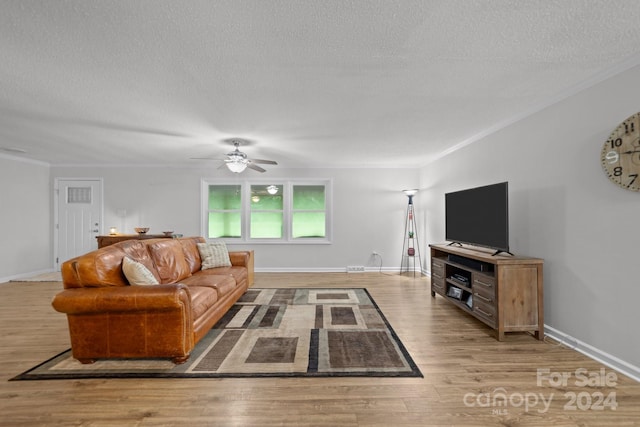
(24, 160)
(597, 78)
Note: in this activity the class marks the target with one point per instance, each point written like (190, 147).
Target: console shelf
(504, 292)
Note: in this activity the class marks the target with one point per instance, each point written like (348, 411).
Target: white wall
(25, 206)
(368, 215)
(563, 209)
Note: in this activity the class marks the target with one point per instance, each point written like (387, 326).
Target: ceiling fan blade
(255, 168)
(265, 162)
(205, 158)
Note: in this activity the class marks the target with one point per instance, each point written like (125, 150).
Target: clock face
(621, 154)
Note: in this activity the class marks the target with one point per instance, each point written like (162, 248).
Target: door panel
(79, 217)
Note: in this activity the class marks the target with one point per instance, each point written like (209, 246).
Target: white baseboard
(299, 270)
(25, 275)
(325, 270)
(594, 353)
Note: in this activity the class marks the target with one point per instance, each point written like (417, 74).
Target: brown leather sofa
(108, 318)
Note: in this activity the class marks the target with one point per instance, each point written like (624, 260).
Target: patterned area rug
(271, 333)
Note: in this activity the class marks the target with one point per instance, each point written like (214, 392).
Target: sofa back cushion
(99, 268)
(191, 253)
(168, 258)
(138, 251)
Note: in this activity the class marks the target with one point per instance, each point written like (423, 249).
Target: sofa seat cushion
(202, 299)
(222, 284)
(238, 273)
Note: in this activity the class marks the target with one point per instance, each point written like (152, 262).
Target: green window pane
(308, 197)
(308, 225)
(224, 197)
(266, 225)
(261, 199)
(224, 224)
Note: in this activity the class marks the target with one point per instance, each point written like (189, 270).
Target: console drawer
(437, 278)
(484, 285)
(437, 265)
(437, 282)
(437, 272)
(437, 287)
(437, 262)
(484, 312)
(488, 301)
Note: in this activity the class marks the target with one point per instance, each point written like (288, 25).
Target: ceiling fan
(237, 161)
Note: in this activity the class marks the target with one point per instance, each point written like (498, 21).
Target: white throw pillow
(214, 254)
(136, 273)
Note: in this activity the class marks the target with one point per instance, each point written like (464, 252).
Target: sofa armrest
(243, 259)
(123, 299)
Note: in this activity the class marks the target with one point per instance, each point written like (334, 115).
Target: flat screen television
(479, 216)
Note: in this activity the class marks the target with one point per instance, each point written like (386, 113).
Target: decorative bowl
(168, 233)
(141, 230)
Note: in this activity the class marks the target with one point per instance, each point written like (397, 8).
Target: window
(224, 211)
(308, 214)
(268, 212)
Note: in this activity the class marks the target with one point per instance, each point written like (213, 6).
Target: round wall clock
(621, 154)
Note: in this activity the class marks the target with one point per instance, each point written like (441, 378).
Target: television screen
(479, 216)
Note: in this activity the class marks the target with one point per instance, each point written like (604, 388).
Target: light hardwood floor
(464, 368)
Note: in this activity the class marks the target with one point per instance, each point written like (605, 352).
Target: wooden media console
(504, 292)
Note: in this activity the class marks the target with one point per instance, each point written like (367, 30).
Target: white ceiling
(341, 83)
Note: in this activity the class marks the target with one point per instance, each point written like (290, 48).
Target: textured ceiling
(343, 83)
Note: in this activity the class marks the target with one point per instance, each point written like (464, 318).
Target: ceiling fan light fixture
(236, 167)
(236, 164)
(272, 189)
(237, 160)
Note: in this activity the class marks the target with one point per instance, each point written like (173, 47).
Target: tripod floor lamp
(411, 246)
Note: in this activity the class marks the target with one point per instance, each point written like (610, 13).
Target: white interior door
(79, 218)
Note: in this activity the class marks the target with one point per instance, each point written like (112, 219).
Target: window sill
(275, 242)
